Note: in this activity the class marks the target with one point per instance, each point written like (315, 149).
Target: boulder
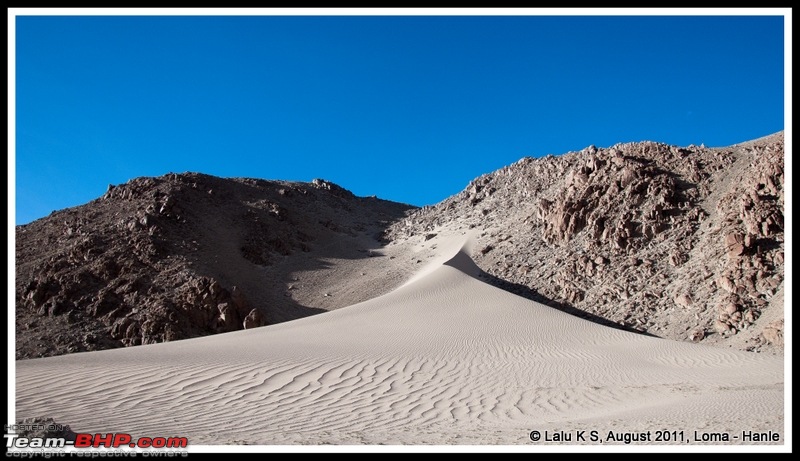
(683, 300)
(254, 319)
(773, 333)
(697, 334)
(726, 284)
(721, 327)
(735, 244)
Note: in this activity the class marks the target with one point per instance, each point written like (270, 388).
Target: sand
(443, 359)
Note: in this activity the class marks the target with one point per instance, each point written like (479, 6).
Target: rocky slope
(682, 243)
(182, 255)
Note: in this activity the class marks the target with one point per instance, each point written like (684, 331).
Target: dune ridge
(443, 359)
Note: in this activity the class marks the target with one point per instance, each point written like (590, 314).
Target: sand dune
(444, 359)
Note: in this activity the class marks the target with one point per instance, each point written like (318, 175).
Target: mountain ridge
(678, 242)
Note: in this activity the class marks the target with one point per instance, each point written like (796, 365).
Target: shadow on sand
(464, 263)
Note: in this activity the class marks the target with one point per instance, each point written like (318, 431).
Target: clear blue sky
(407, 108)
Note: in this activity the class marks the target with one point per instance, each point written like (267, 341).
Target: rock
(726, 284)
(132, 332)
(573, 295)
(677, 258)
(697, 334)
(721, 327)
(734, 244)
(593, 163)
(627, 176)
(683, 300)
(120, 327)
(577, 178)
(750, 316)
(254, 319)
(729, 309)
(215, 289)
(773, 333)
(228, 319)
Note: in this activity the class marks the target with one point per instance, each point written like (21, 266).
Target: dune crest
(443, 359)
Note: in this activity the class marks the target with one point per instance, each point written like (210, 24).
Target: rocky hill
(683, 243)
(182, 255)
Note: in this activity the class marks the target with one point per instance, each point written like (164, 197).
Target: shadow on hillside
(259, 235)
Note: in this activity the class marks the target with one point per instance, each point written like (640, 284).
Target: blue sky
(407, 108)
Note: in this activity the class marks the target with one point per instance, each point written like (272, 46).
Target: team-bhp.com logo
(110, 440)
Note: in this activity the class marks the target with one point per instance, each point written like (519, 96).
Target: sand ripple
(444, 359)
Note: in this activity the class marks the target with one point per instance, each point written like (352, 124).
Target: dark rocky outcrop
(174, 257)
